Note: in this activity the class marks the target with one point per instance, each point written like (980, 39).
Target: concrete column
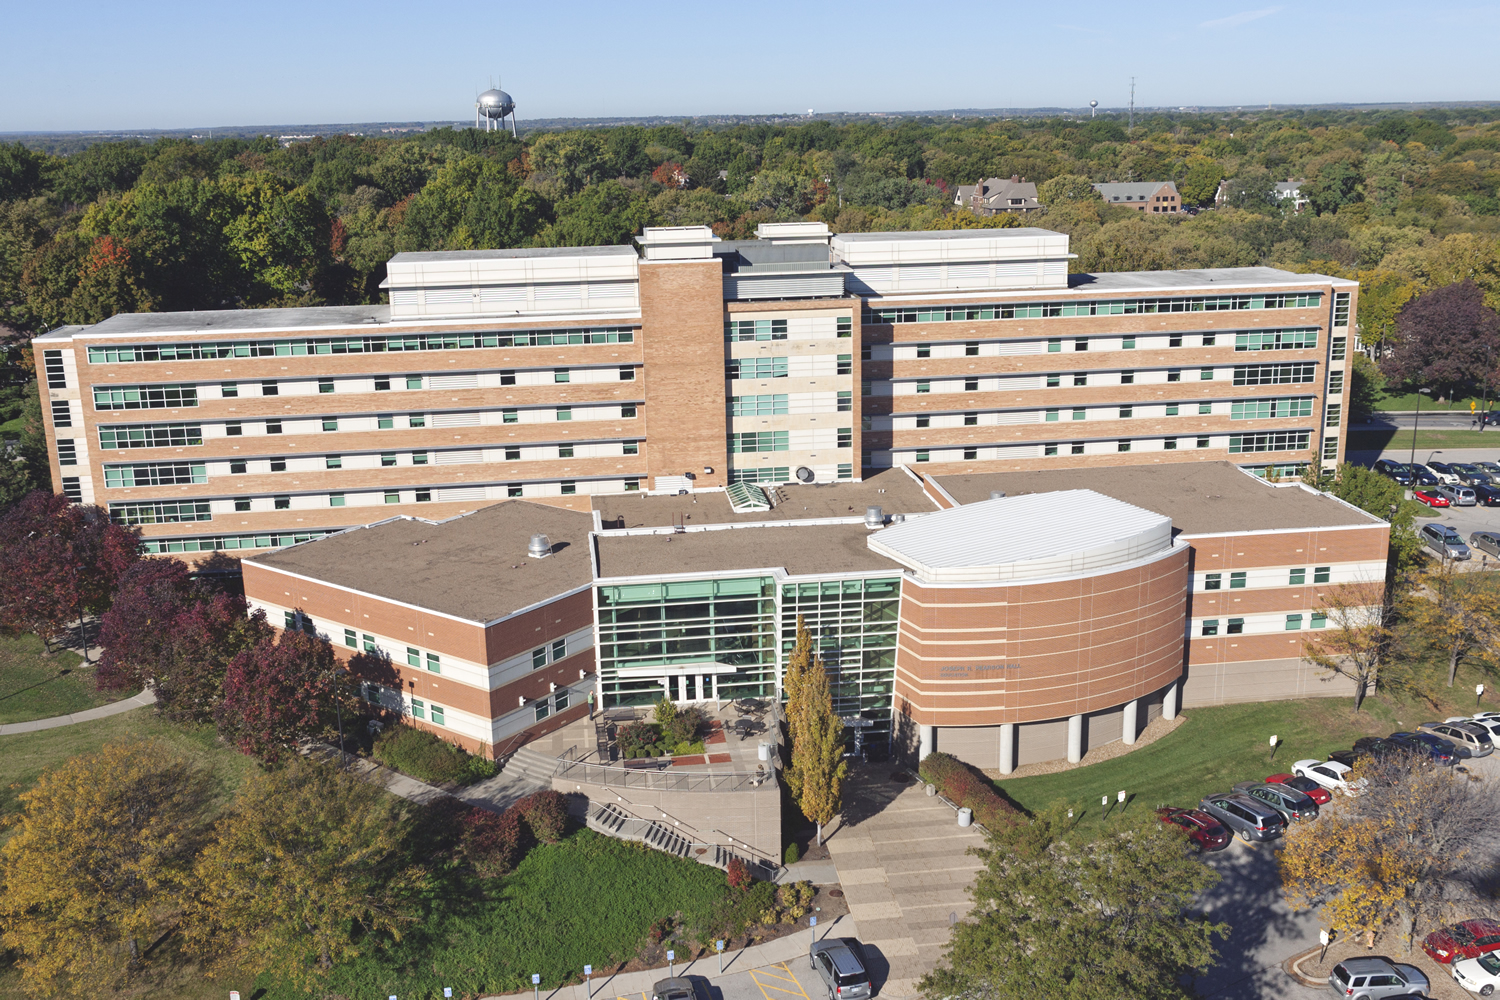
(1075, 739)
(1007, 748)
(1130, 730)
(1169, 703)
(926, 737)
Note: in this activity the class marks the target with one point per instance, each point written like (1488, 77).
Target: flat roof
(473, 567)
(239, 320)
(1200, 497)
(1200, 278)
(800, 549)
(445, 256)
(1029, 232)
(891, 489)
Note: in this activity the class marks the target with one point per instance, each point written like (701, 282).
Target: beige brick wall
(682, 303)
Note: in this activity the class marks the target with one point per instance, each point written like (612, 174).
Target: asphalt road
(791, 981)
(1437, 420)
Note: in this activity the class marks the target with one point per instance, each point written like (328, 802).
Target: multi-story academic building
(689, 363)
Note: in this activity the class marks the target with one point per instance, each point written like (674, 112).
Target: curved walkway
(146, 697)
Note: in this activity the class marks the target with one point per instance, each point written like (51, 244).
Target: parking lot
(1464, 520)
(786, 981)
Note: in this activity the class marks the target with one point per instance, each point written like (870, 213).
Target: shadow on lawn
(64, 672)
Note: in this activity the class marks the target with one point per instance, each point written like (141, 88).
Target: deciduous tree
(817, 736)
(1057, 914)
(1446, 339)
(277, 693)
(306, 871)
(102, 855)
(1455, 611)
(1357, 635)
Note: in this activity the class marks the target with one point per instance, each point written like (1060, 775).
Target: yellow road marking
(790, 977)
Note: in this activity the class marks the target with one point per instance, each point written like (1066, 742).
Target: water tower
(494, 105)
(1092, 106)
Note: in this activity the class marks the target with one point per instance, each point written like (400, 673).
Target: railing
(618, 821)
(668, 780)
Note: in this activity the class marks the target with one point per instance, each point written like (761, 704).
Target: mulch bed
(696, 758)
(720, 758)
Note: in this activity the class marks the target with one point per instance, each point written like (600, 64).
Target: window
(1283, 374)
(1331, 449)
(1205, 374)
(864, 353)
(382, 385)
(241, 504)
(1297, 577)
(569, 488)
(1054, 346)
(1321, 574)
(631, 448)
(758, 441)
(628, 411)
(67, 453)
(971, 385)
(1269, 441)
(434, 664)
(1054, 380)
(755, 329)
(1340, 308)
(413, 656)
(278, 465)
(229, 390)
(56, 375)
(1276, 340)
(542, 710)
(845, 364)
(232, 428)
(1205, 409)
(564, 413)
(418, 709)
(627, 373)
(559, 649)
(1126, 412)
(509, 417)
(282, 503)
(1127, 344)
(632, 485)
(1340, 346)
(237, 468)
(971, 420)
(414, 381)
(846, 437)
(1080, 378)
(1049, 450)
(845, 326)
(273, 426)
(971, 350)
(1203, 442)
(1331, 414)
(846, 471)
(1080, 344)
(335, 499)
(269, 389)
(1174, 375)
(922, 456)
(439, 717)
(325, 385)
(349, 639)
(924, 350)
(392, 496)
(1175, 340)
(970, 454)
(1210, 627)
(423, 496)
(333, 462)
(1122, 446)
(1213, 581)
(142, 397)
(759, 368)
(1237, 581)
(923, 387)
(1265, 409)
(419, 458)
(538, 657)
(73, 490)
(1319, 619)
(1172, 409)
(561, 375)
(1079, 414)
(564, 451)
(865, 388)
(1335, 383)
(846, 402)
(1051, 416)
(1127, 378)
(330, 423)
(1209, 339)
(62, 416)
(1293, 623)
(416, 420)
(387, 459)
(508, 377)
(385, 422)
(924, 422)
(1168, 444)
(1076, 448)
(1236, 626)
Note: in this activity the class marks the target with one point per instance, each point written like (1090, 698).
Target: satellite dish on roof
(804, 474)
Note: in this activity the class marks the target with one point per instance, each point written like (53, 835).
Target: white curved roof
(1024, 537)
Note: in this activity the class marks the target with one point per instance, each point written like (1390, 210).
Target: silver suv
(1471, 740)
(1376, 979)
(1251, 818)
(1444, 541)
(1458, 494)
(840, 962)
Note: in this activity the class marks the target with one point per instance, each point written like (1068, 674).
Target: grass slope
(1396, 439)
(33, 686)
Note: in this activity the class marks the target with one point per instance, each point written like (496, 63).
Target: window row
(741, 330)
(1251, 409)
(778, 474)
(1108, 307)
(368, 344)
(781, 367)
(1259, 340)
(991, 452)
(1238, 579)
(781, 404)
(1209, 627)
(1283, 374)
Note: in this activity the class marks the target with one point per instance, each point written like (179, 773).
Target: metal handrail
(669, 779)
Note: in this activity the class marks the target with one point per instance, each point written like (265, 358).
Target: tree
(99, 863)
(1357, 635)
(1201, 183)
(1057, 914)
(1455, 611)
(1378, 495)
(1446, 339)
(277, 693)
(1066, 187)
(307, 870)
(1415, 849)
(1337, 184)
(58, 560)
(817, 736)
(1366, 387)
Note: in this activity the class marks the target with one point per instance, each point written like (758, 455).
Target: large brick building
(687, 363)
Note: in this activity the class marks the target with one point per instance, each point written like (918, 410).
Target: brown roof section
(891, 489)
(799, 549)
(1200, 498)
(474, 567)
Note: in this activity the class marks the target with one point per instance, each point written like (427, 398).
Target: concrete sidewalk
(146, 697)
(737, 964)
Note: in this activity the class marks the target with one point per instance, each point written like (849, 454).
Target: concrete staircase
(610, 820)
(525, 771)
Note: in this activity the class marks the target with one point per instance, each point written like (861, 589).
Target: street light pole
(1412, 465)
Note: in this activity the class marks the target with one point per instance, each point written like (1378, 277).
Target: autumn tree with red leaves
(277, 693)
(1446, 339)
(59, 560)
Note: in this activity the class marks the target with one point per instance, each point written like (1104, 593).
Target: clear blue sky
(175, 64)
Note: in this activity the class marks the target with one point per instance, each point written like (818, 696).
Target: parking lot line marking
(790, 977)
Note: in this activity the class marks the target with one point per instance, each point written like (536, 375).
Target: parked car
(1446, 474)
(1331, 774)
(1466, 939)
(1430, 497)
(1471, 475)
(1202, 829)
(1478, 975)
(1458, 494)
(1471, 740)
(1376, 979)
(1490, 467)
(1346, 757)
(1489, 725)
(1374, 746)
(1393, 470)
(1292, 804)
(1306, 786)
(1424, 475)
(1250, 818)
(676, 988)
(1487, 496)
(1437, 749)
(1444, 541)
(841, 964)
(1486, 541)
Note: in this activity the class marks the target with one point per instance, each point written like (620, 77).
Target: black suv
(1393, 470)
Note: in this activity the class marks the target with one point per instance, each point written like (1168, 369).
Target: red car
(1431, 499)
(1306, 786)
(1469, 939)
(1202, 829)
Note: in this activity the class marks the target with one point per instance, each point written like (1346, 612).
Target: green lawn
(1399, 440)
(1408, 402)
(33, 686)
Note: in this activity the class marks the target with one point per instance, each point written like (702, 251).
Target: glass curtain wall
(677, 624)
(853, 624)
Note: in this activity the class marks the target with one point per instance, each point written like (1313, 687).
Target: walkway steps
(612, 821)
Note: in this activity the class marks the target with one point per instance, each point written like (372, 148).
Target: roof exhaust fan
(874, 518)
(540, 547)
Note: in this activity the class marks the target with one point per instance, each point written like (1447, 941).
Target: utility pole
(1131, 130)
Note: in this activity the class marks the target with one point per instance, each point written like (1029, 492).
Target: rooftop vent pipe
(874, 518)
(540, 547)
(997, 494)
(898, 518)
